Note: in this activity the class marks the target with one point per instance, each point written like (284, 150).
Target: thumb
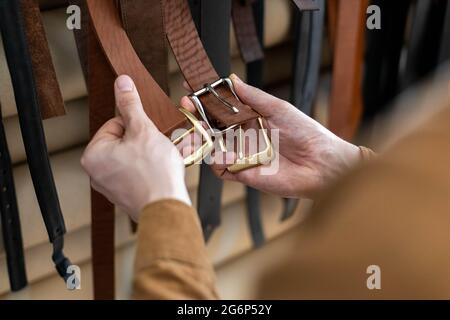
(262, 102)
(129, 104)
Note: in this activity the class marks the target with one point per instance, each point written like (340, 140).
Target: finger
(129, 104)
(187, 104)
(187, 87)
(263, 103)
(113, 129)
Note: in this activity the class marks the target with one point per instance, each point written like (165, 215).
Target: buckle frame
(242, 162)
(205, 149)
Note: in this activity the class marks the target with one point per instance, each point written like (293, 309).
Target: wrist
(172, 188)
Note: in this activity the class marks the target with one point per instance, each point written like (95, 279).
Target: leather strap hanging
(384, 49)
(12, 25)
(332, 14)
(309, 23)
(444, 54)
(49, 94)
(248, 21)
(145, 30)
(425, 40)
(346, 99)
(212, 22)
(123, 60)
(10, 220)
(101, 109)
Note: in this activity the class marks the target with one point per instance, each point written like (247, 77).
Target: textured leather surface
(145, 30)
(196, 66)
(245, 30)
(47, 87)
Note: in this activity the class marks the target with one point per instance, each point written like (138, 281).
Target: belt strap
(309, 22)
(332, 18)
(20, 66)
(195, 64)
(248, 20)
(145, 29)
(424, 45)
(111, 35)
(81, 36)
(445, 39)
(47, 87)
(346, 99)
(384, 48)
(212, 22)
(100, 80)
(12, 234)
(101, 109)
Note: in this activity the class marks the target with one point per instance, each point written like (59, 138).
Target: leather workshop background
(66, 138)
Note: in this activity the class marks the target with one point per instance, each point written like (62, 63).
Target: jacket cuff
(170, 230)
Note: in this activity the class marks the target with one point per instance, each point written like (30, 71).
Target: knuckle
(126, 100)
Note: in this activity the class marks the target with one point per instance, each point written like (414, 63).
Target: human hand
(130, 161)
(310, 156)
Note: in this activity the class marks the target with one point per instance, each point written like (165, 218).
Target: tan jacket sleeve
(392, 212)
(171, 260)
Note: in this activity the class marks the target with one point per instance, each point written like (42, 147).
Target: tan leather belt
(346, 95)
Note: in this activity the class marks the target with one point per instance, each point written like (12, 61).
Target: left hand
(130, 161)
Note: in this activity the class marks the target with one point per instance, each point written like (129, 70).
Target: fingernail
(234, 77)
(125, 84)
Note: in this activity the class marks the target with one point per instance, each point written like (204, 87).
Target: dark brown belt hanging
(346, 96)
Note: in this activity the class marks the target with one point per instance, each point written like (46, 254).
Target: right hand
(310, 155)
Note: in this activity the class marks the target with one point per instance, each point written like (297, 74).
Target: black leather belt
(444, 54)
(309, 22)
(425, 40)
(248, 19)
(212, 18)
(12, 235)
(17, 56)
(384, 48)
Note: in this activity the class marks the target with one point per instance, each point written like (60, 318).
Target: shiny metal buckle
(243, 162)
(206, 148)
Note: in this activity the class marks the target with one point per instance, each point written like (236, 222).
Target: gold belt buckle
(242, 162)
(206, 148)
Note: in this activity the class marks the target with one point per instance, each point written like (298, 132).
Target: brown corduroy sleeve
(171, 260)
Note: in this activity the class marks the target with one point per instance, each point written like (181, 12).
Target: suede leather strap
(49, 94)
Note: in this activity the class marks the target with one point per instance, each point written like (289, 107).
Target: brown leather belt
(346, 95)
(47, 87)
